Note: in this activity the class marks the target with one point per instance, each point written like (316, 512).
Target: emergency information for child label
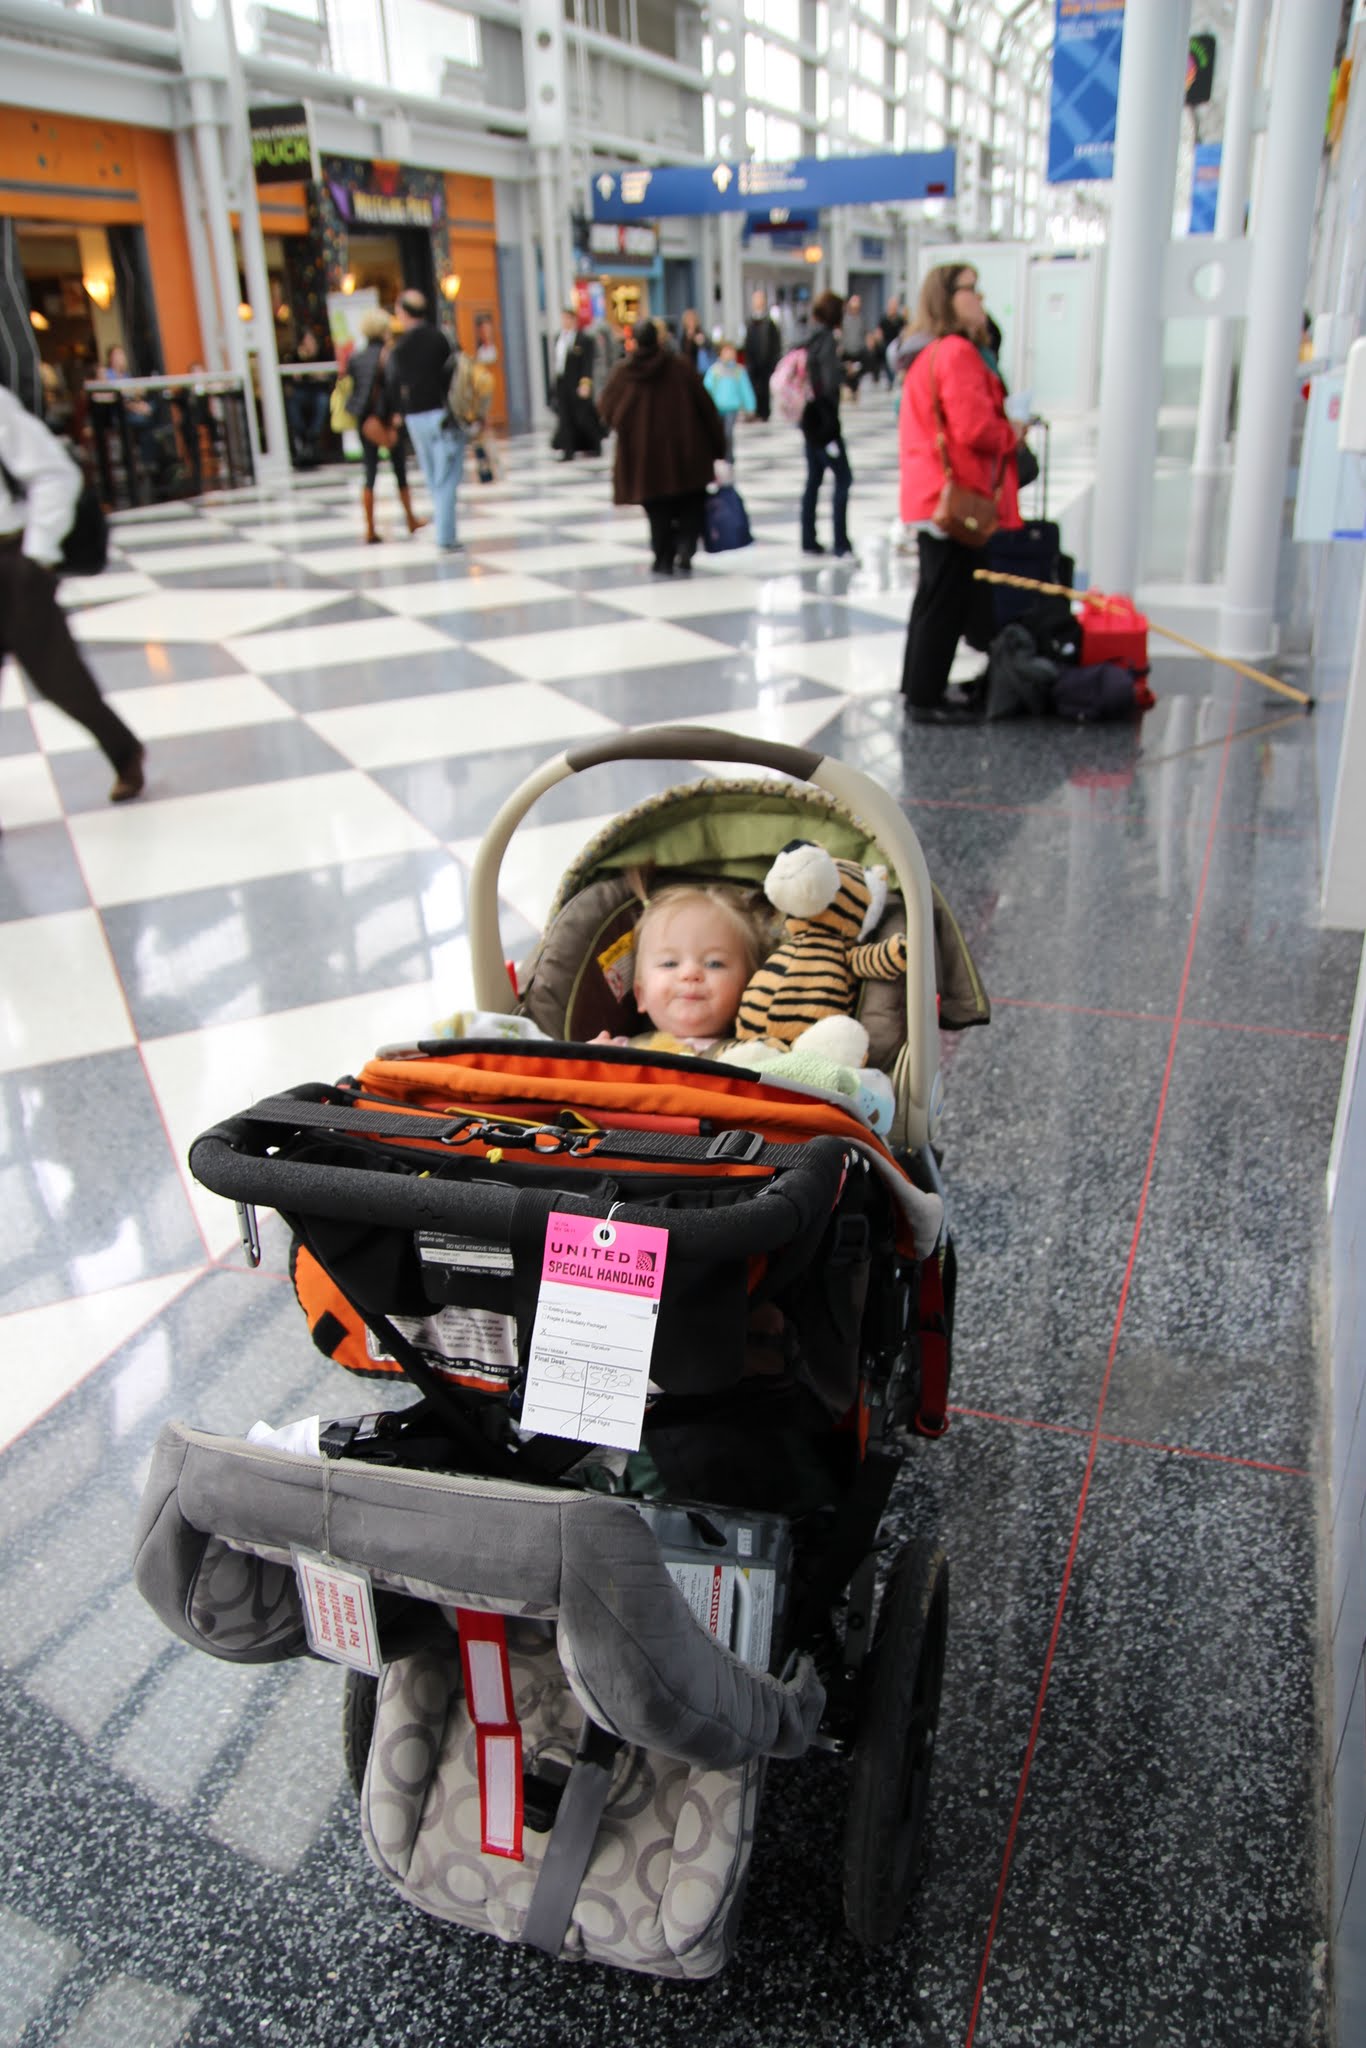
(588, 1370)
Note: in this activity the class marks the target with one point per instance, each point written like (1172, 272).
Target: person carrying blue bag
(727, 382)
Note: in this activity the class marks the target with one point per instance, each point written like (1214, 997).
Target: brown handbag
(962, 514)
(379, 433)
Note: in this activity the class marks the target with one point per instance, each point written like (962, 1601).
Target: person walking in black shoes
(39, 486)
(821, 425)
(763, 347)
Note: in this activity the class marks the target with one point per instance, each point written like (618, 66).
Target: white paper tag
(339, 1611)
(464, 1254)
(733, 1603)
(596, 1316)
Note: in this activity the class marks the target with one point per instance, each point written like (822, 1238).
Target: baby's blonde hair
(750, 921)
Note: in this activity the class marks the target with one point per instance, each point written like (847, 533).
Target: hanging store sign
(282, 145)
(1088, 36)
(635, 241)
(1205, 187)
(384, 195)
(808, 183)
(1200, 70)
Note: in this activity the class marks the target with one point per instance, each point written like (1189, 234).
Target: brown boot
(405, 499)
(367, 499)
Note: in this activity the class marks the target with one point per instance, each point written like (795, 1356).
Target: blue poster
(803, 186)
(1087, 38)
(1205, 187)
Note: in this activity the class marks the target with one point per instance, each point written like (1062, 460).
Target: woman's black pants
(676, 526)
(948, 607)
(34, 630)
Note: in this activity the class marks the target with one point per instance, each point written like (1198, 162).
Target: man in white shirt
(39, 486)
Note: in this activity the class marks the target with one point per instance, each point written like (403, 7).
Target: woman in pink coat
(948, 363)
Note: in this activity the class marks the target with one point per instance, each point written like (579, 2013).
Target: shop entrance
(396, 261)
(88, 293)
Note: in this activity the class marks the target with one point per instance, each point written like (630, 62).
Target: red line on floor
(1095, 1432)
(1136, 1443)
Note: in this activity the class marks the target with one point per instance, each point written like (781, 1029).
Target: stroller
(572, 1649)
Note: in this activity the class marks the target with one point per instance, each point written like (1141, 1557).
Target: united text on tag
(588, 1369)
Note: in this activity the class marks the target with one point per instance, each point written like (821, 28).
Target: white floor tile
(204, 616)
(569, 554)
(160, 534)
(432, 728)
(292, 535)
(892, 605)
(792, 724)
(322, 647)
(210, 554)
(599, 650)
(60, 997)
(202, 1076)
(483, 590)
(75, 591)
(685, 597)
(536, 859)
(151, 515)
(136, 851)
(28, 794)
(166, 710)
(864, 665)
(408, 551)
(48, 1351)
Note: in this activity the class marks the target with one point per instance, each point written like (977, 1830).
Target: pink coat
(979, 434)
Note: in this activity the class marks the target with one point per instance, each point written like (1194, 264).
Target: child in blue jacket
(730, 391)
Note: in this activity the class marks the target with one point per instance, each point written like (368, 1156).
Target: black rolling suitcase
(1034, 549)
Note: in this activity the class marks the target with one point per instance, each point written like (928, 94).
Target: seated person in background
(696, 948)
(306, 403)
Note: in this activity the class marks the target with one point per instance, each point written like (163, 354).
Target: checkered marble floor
(330, 728)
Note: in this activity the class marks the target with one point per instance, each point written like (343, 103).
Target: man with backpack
(39, 487)
(419, 377)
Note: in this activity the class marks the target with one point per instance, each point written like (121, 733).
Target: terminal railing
(155, 438)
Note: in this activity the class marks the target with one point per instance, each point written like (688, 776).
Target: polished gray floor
(1127, 1829)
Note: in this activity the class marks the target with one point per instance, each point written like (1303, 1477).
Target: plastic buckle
(743, 1147)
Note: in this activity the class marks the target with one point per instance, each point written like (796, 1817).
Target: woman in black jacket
(370, 399)
(821, 426)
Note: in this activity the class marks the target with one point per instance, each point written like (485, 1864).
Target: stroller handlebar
(918, 1066)
(229, 1160)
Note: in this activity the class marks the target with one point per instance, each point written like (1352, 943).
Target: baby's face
(691, 971)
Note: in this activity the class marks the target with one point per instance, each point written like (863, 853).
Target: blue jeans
(817, 462)
(440, 448)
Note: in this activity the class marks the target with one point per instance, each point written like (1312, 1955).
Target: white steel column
(212, 323)
(1151, 89)
(732, 309)
(556, 287)
(1301, 64)
(533, 323)
(545, 71)
(1235, 177)
(208, 151)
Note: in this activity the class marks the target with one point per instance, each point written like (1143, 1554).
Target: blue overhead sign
(1205, 187)
(808, 182)
(1088, 36)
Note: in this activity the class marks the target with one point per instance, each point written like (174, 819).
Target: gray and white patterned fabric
(664, 1885)
(625, 1640)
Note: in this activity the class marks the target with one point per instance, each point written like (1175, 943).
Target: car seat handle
(869, 802)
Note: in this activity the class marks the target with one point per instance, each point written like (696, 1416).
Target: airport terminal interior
(1147, 1814)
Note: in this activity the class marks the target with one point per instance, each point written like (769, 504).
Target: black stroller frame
(829, 1219)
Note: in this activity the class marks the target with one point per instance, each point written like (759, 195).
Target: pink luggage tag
(588, 1367)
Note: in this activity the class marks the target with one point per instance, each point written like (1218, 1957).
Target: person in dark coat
(669, 440)
(763, 347)
(576, 427)
(370, 396)
(691, 340)
(821, 425)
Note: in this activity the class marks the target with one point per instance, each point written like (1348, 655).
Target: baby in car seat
(697, 944)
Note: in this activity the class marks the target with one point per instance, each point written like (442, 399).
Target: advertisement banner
(1087, 39)
(806, 184)
(1205, 187)
(282, 149)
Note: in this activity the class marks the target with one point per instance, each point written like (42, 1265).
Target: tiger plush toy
(812, 979)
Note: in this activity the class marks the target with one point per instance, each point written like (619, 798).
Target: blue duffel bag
(726, 523)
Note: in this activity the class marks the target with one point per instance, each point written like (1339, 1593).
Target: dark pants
(33, 629)
(306, 409)
(398, 462)
(761, 380)
(948, 606)
(817, 462)
(675, 526)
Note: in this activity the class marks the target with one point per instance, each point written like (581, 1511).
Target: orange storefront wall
(60, 167)
(474, 260)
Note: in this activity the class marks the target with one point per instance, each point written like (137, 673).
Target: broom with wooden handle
(1225, 660)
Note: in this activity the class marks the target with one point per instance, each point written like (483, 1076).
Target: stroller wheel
(890, 1773)
(359, 1702)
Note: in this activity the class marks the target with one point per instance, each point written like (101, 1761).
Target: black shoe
(813, 547)
(683, 566)
(949, 711)
(846, 553)
(658, 568)
(131, 778)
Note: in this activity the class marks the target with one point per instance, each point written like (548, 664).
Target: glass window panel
(935, 134)
(784, 139)
(756, 51)
(431, 36)
(822, 26)
(784, 17)
(867, 115)
(937, 43)
(754, 11)
(784, 79)
(871, 60)
(822, 97)
(936, 92)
